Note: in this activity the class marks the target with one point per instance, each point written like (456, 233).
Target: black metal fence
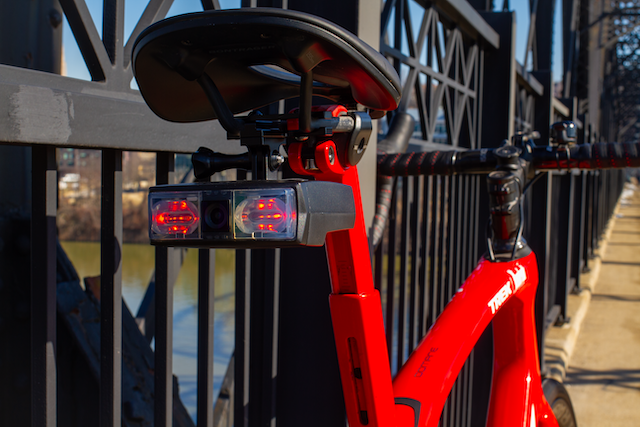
(91, 364)
(429, 248)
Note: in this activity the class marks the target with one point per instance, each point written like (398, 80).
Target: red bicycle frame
(500, 291)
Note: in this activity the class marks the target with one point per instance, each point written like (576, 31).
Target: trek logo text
(518, 277)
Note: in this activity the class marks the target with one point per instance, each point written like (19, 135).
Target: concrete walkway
(598, 353)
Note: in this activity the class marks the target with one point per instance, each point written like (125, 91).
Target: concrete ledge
(561, 340)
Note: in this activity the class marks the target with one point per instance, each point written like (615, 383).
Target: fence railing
(429, 247)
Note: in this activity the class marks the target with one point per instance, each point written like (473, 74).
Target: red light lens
(170, 217)
(259, 214)
(263, 214)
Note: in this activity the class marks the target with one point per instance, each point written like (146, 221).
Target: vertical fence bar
(611, 188)
(451, 259)
(391, 274)
(444, 239)
(468, 214)
(163, 404)
(596, 211)
(597, 200)
(607, 193)
(540, 243)
(461, 211)
(241, 375)
(265, 272)
(206, 264)
(473, 224)
(469, 258)
(601, 206)
(457, 236)
(111, 290)
(588, 242)
(425, 267)
(581, 217)
(43, 286)
(404, 255)
(242, 328)
(444, 270)
(434, 256)
(574, 187)
(474, 231)
(416, 243)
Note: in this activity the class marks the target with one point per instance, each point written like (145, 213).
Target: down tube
(425, 380)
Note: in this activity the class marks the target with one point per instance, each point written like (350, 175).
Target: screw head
(332, 155)
(276, 160)
(55, 18)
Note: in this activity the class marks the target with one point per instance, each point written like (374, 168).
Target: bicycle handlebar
(543, 158)
(602, 155)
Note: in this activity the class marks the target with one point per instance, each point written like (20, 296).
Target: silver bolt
(310, 165)
(276, 160)
(332, 155)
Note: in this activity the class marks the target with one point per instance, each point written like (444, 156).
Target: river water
(137, 269)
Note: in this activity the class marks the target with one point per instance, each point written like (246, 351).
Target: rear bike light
(248, 214)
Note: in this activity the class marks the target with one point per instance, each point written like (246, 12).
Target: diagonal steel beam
(87, 37)
(155, 11)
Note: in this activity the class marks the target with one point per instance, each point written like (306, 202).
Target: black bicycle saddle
(255, 57)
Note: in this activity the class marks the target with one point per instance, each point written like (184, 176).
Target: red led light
(174, 217)
(263, 215)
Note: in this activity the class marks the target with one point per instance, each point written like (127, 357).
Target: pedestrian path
(598, 353)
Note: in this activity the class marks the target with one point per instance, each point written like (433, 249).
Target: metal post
(541, 218)
(570, 35)
(111, 290)
(425, 254)
(206, 264)
(163, 387)
(242, 324)
(417, 254)
(32, 38)
(582, 215)
(544, 42)
(391, 320)
(404, 274)
(264, 294)
(43, 286)
(498, 106)
(563, 226)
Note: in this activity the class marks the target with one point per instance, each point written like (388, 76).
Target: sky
(134, 8)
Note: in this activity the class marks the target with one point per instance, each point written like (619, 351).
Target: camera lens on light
(216, 215)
